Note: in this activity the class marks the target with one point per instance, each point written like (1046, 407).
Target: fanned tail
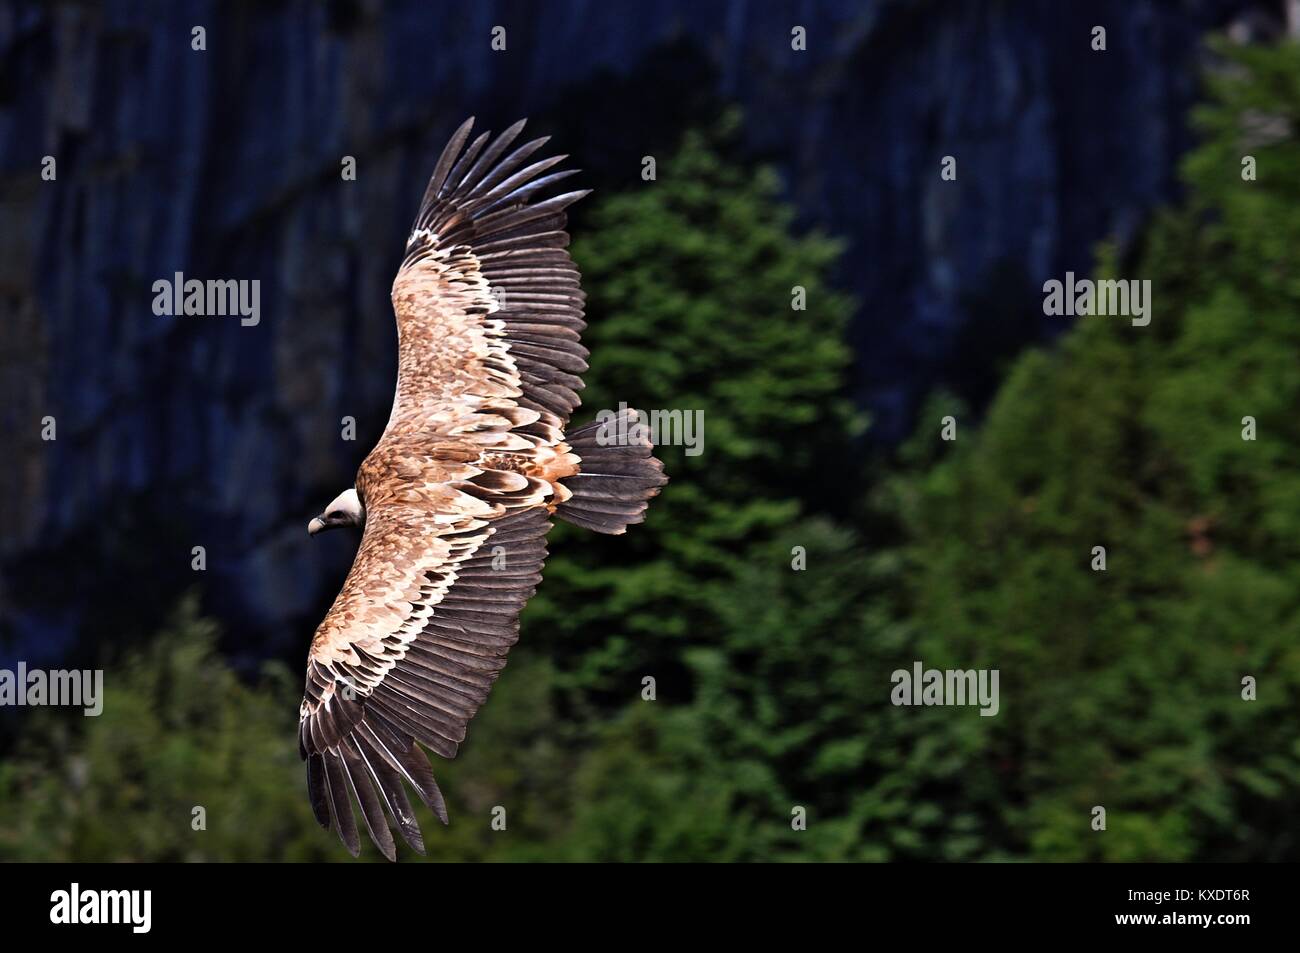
(617, 476)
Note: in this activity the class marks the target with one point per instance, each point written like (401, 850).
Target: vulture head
(346, 510)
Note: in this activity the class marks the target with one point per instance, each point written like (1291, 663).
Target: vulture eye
(336, 515)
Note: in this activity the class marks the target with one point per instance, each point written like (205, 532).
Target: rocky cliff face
(224, 163)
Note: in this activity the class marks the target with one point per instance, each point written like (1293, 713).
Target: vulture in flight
(456, 499)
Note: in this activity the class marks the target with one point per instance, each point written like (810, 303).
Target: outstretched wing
(409, 652)
(488, 302)
(457, 492)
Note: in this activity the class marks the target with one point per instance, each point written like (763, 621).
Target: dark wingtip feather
(340, 807)
(372, 811)
(413, 837)
(450, 153)
(388, 784)
(316, 790)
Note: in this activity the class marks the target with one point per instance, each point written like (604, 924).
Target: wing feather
(371, 811)
(430, 669)
(486, 274)
(340, 809)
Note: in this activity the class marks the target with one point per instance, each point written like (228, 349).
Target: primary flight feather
(456, 498)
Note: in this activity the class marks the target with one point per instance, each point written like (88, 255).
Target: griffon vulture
(455, 500)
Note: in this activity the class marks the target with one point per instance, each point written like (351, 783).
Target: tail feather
(617, 475)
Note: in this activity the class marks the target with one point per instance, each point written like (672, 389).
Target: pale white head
(346, 510)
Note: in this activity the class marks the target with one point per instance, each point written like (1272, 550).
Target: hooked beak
(315, 526)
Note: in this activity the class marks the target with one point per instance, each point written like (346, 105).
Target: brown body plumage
(457, 496)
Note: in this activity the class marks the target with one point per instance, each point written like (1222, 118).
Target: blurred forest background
(1119, 688)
